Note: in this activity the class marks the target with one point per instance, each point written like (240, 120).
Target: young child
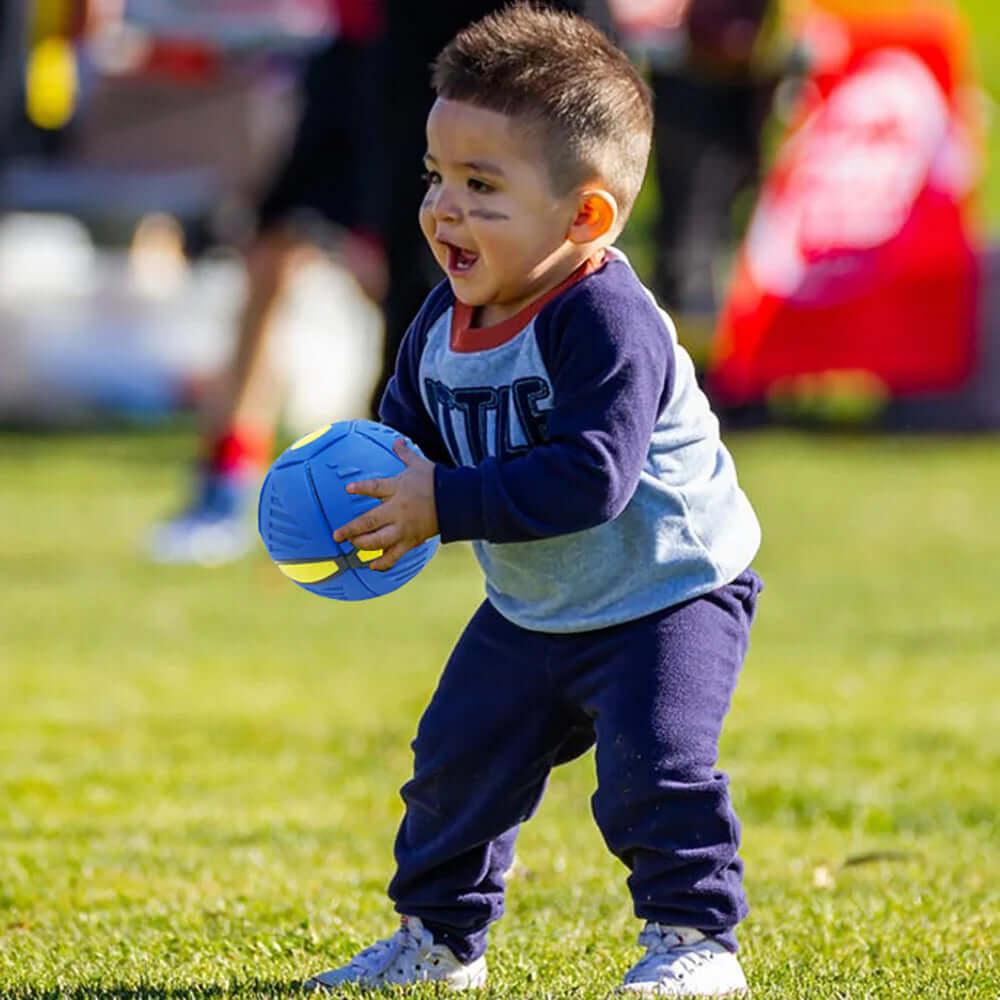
(565, 437)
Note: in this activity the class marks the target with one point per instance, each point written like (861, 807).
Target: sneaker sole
(314, 985)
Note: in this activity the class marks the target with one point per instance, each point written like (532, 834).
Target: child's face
(490, 215)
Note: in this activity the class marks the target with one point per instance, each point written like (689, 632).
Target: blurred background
(136, 136)
(818, 217)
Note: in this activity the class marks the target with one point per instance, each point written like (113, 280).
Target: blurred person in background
(323, 197)
(714, 66)
(351, 182)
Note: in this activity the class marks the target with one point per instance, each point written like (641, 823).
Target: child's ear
(596, 215)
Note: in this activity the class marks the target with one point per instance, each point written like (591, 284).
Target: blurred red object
(190, 42)
(181, 60)
(862, 253)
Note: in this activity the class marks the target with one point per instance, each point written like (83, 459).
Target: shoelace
(659, 941)
(376, 958)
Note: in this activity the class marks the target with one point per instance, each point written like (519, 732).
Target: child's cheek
(426, 221)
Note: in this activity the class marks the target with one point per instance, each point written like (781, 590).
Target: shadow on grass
(251, 989)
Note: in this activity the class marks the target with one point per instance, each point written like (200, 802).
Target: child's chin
(464, 294)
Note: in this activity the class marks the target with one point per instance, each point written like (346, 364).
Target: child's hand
(406, 517)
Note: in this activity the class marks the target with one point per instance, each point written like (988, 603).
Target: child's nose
(446, 206)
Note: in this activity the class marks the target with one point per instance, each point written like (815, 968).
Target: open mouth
(459, 260)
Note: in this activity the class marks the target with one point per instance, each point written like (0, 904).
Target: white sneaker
(409, 956)
(683, 962)
(199, 541)
(214, 528)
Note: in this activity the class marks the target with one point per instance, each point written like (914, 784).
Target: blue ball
(303, 501)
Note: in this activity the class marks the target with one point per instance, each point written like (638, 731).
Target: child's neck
(486, 316)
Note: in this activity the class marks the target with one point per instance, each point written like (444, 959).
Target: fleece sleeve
(610, 360)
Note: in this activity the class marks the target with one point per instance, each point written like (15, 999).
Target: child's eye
(480, 187)
(430, 177)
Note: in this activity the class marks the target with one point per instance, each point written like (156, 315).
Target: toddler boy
(566, 438)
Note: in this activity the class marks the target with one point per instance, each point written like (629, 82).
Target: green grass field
(199, 769)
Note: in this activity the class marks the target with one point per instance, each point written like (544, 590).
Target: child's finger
(382, 538)
(389, 557)
(402, 450)
(364, 524)
(378, 488)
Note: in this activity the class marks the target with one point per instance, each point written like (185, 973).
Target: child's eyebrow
(474, 166)
(482, 167)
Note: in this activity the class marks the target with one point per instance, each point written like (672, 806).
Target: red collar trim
(466, 338)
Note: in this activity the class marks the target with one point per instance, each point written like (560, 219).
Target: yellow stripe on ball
(311, 572)
(303, 441)
(367, 555)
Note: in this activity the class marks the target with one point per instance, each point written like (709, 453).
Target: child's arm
(611, 366)
(610, 359)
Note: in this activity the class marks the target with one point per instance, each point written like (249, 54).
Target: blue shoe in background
(216, 528)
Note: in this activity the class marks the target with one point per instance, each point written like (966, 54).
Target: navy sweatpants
(511, 704)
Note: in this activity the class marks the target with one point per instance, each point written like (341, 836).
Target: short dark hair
(566, 78)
